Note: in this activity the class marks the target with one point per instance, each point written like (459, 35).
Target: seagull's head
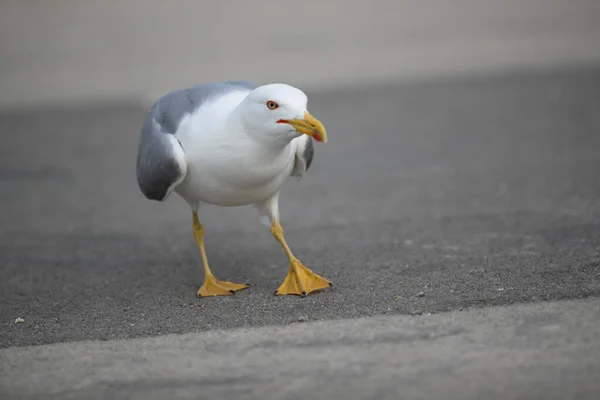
(278, 113)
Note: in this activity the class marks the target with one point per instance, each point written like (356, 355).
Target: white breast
(225, 167)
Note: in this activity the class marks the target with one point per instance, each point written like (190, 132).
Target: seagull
(230, 144)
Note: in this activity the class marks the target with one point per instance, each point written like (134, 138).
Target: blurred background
(82, 50)
(461, 173)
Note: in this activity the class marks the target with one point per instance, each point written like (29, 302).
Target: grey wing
(161, 162)
(170, 109)
(304, 155)
(161, 159)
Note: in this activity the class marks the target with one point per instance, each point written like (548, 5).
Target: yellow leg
(299, 280)
(211, 286)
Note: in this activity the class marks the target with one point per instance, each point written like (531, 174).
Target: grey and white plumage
(217, 143)
(159, 165)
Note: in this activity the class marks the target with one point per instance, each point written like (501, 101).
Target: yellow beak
(310, 126)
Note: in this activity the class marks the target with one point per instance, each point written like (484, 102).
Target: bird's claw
(213, 287)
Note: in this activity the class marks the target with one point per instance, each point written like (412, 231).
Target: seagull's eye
(271, 105)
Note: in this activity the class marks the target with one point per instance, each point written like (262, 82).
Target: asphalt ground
(430, 197)
(547, 350)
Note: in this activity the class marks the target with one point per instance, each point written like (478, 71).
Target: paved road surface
(546, 351)
(440, 196)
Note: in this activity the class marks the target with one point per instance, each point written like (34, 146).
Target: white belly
(220, 188)
(234, 177)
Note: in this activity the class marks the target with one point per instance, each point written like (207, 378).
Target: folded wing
(161, 164)
(304, 155)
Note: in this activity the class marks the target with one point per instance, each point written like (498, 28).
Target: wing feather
(161, 164)
(304, 155)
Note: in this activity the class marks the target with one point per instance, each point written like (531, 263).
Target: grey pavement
(457, 214)
(546, 351)
(430, 198)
